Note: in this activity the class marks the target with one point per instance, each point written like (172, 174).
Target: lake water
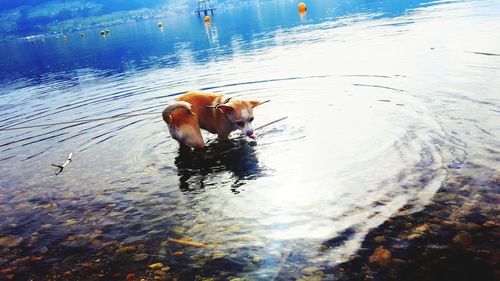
(383, 99)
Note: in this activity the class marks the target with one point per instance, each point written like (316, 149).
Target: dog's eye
(250, 120)
(240, 123)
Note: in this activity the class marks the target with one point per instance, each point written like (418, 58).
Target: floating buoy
(65, 37)
(160, 24)
(302, 7)
(207, 19)
(107, 31)
(82, 34)
(103, 32)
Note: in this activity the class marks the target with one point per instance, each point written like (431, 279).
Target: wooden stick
(270, 123)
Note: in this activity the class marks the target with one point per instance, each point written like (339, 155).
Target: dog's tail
(171, 107)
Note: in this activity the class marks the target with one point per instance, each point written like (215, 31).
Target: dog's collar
(217, 106)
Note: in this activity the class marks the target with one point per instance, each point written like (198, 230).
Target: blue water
(383, 99)
(143, 45)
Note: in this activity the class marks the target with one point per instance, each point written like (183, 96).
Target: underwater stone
(10, 241)
(463, 238)
(380, 256)
(140, 257)
(157, 265)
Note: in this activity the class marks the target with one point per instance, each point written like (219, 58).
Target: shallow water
(382, 99)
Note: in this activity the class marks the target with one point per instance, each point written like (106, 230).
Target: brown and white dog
(212, 112)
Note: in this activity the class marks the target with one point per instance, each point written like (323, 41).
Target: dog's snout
(249, 133)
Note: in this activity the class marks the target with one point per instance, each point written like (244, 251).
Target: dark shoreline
(455, 237)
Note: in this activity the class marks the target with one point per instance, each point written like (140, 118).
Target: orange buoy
(302, 7)
(207, 19)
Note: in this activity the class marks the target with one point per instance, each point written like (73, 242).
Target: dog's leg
(192, 135)
(184, 128)
(190, 130)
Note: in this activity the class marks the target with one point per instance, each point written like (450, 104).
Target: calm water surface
(383, 99)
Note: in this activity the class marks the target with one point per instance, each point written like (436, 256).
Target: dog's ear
(227, 109)
(255, 103)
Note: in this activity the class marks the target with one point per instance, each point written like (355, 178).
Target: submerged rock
(312, 271)
(130, 277)
(463, 238)
(126, 249)
(380, 257)
(154, 266)
(70, 222)
(256, 259)
(10, 241)
(140, 257)
(379, 239)
(218, 255)
(160, 273)
(489, 224)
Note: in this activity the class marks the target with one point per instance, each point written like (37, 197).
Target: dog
(212, 112)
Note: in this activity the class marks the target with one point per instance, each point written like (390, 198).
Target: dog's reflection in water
(229, 162)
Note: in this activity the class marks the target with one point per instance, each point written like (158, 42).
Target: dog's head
(240, 113)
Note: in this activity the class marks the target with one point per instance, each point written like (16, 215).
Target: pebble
(10, 241)
(422, 228)
(157, 265)
(380, 256)
(414, 236)
(160, 273)
(178, 230)
(218, 255)
(449, 224)
(70, 222)
(46, 226)
(310, 270)
(140, 257)
(130, 277)
(465, 189)
(126, 249)
(256, 259)
(463, 238)
(379, 239)
(489, 224)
